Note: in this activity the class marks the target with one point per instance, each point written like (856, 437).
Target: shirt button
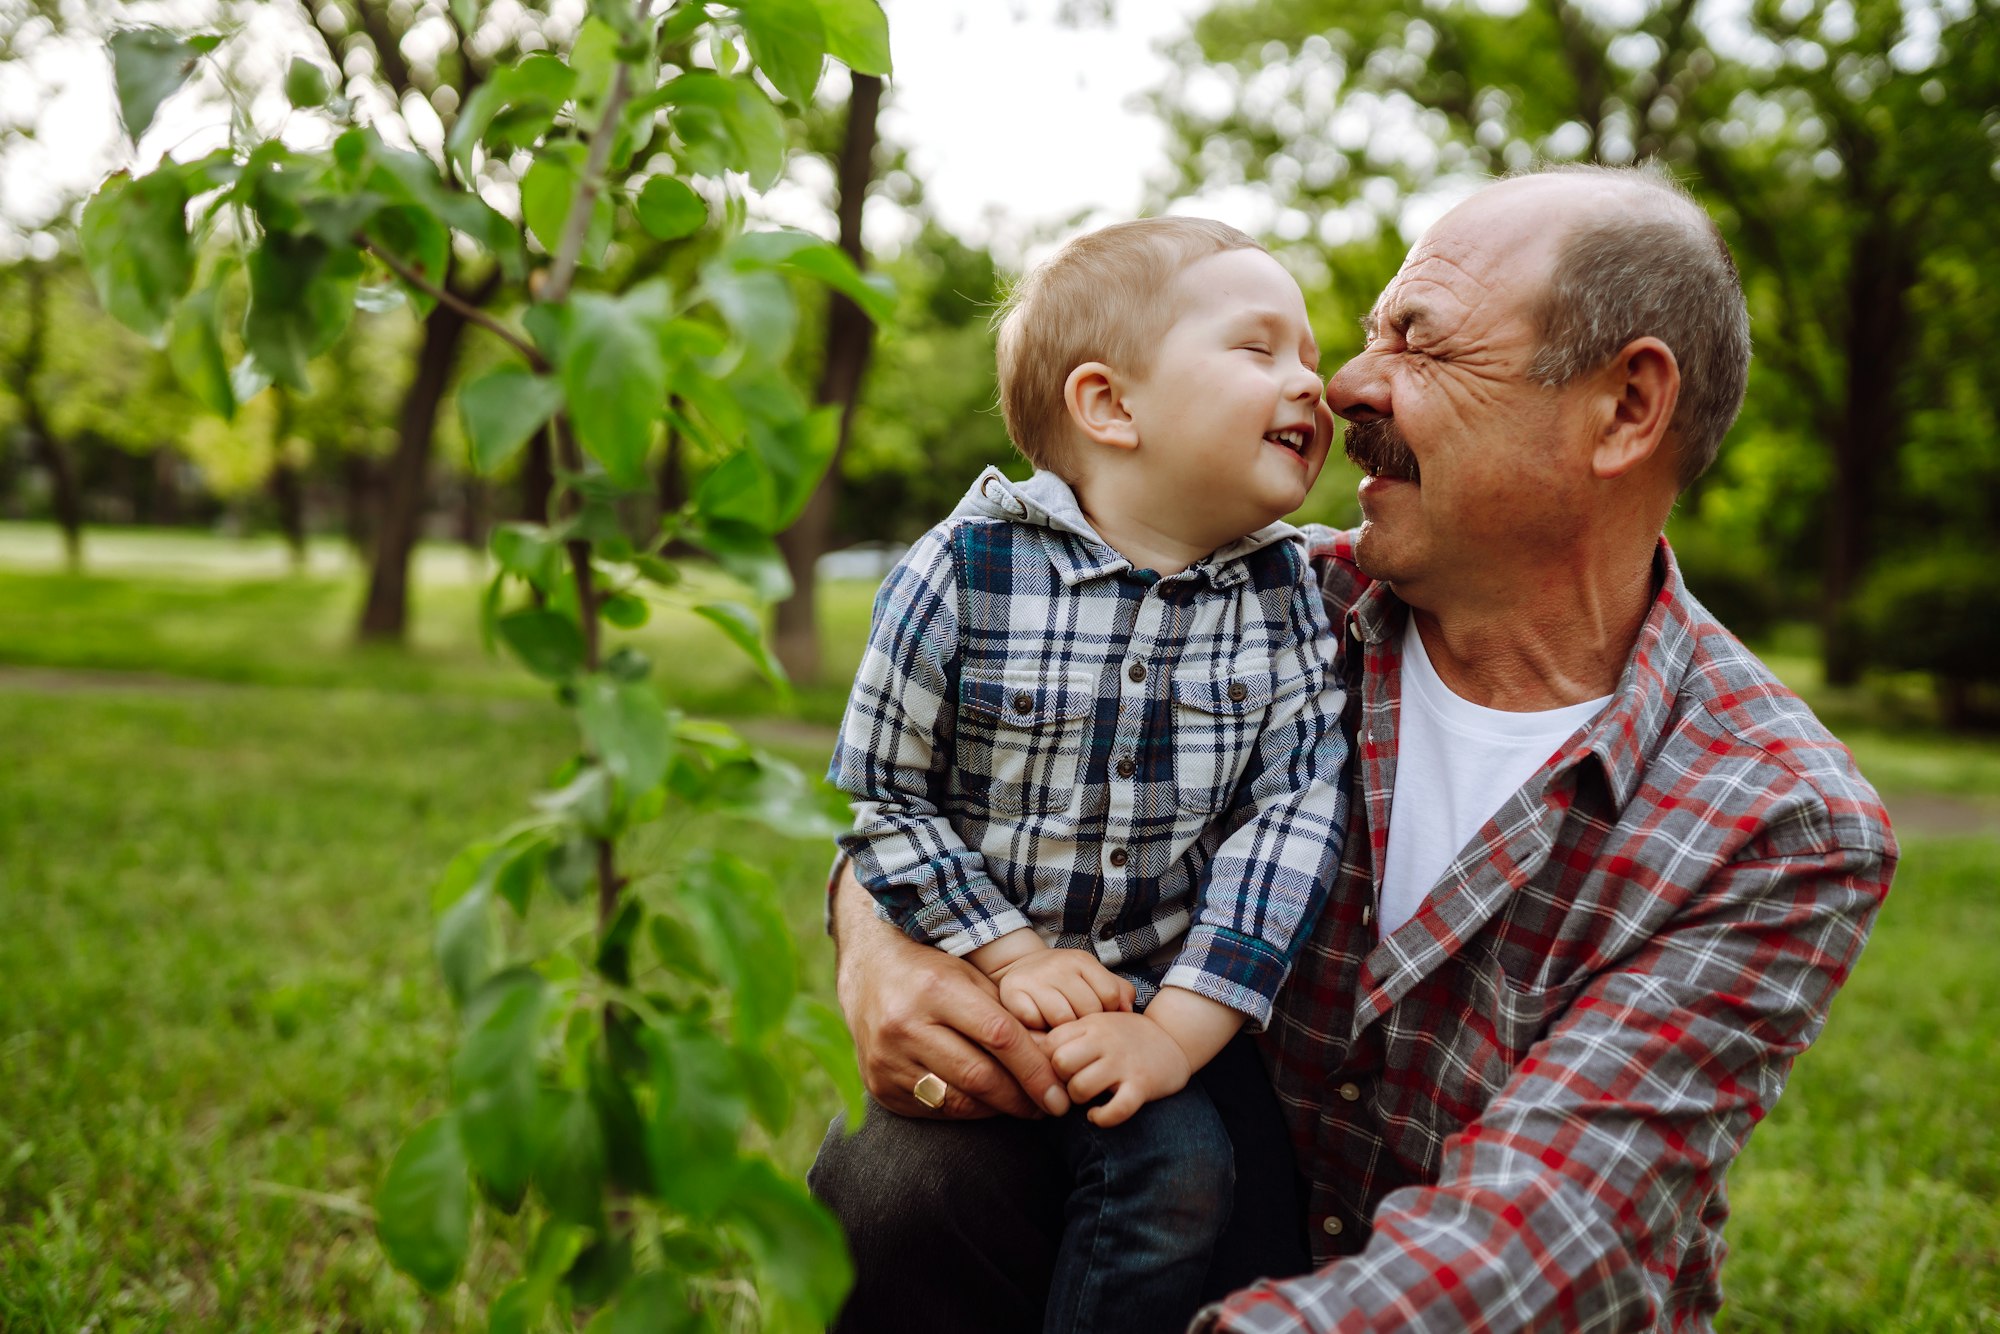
(1024, 702)
(1237, 690)
(1118, 857)
(1351, 1091)
(1107, 931)
(1126, 768)
(1137, 671)
(1354, 633)
(1367, 913)
(1331, 1226)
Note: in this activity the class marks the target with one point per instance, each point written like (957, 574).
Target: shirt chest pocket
(1022, 737)
(1217, 720)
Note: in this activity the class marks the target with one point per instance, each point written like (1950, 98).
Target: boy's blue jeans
(1147, 1201)
(977, 1227)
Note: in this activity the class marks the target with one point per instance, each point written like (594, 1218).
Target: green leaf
(798, 252)
(797, 453)
(752, 131)
(857, 34)
(670, 209)
(767, 1088)
(624, 610)
(500, 411)
(795, 1241)
(819, 1028)
(740, 624)
(676, 949)
(148, 65)
(624, 1129)
(626, 727)
(467, 943)
(698, 1113)
(571, 1163)
(549, 189)
(748, 553)
(301, 297)
(305, 83)
(788, 42)
(494, 1079)
(757, 306)
(652, 1303)
(511, 109)
(547, 642)
(739, 491)
(528, 550)
(423, 1210)
(735, 912)
(135, 243)
(615, 375)
(194, 350)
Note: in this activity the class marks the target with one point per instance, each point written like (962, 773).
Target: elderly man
(1626, 873)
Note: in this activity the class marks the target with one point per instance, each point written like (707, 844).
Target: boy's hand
(1125, 1052)
(1051, 987)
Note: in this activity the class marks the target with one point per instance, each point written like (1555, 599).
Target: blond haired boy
(1094, 743)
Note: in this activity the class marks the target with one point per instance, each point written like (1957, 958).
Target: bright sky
(1014, 122)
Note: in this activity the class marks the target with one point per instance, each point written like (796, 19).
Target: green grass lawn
(219, 824)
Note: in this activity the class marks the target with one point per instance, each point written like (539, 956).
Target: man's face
(1471, 464)
(1227, 416)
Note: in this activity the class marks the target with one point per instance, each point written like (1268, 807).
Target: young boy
(1094, 744)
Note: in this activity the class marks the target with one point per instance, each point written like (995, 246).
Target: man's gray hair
(1659, 270)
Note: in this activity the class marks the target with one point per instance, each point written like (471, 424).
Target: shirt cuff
(1236, 970)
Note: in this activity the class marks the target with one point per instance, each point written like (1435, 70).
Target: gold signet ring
(930, 1091)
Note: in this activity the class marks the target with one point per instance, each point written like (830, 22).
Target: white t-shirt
(1456, 764)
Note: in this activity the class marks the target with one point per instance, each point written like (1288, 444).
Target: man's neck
(1565, 644)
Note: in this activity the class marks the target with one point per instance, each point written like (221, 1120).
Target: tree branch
(577, 225)
(473, 313)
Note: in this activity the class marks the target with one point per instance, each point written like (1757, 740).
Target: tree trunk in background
(848, 338)
(164, 505)
(287, 486)
(385, 616)
(1880, 276)
(472, 514)
(538, 479)
(357, 485)
(65, 491)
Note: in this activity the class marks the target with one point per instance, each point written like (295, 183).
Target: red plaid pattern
(1518, 1110)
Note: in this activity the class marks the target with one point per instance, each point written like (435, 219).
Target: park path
(1914, 813)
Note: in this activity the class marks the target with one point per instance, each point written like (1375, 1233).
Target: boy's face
(1231, 432)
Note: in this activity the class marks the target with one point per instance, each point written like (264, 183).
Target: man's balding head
(1634, 256)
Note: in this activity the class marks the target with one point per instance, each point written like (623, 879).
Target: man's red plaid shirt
(1517, 1111)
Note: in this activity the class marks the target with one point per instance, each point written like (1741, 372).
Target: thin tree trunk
(357, 485)
(66, 493)
(287, 486)
(849, 336)
(1880, 275)
(385, 615)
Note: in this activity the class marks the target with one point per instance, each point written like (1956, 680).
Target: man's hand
(1125, 1052)
(1051, 987)
(915, 1010)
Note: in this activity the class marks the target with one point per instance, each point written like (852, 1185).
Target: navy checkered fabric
(1151, 769)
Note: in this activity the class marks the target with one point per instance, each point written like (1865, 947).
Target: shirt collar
(1630, 726)
(1046, 501)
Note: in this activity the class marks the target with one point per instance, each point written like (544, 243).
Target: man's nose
(1359, 391)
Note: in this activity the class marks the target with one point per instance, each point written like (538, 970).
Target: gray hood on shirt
(1046, 501)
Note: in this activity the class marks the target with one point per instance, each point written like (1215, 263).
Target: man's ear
(1096, 402)
(1642, 387)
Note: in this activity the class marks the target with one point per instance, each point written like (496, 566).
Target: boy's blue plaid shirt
(1150, 769)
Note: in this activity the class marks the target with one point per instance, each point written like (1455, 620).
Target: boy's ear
(1096, 403)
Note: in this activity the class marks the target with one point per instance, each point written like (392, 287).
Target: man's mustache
(1379, 450)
